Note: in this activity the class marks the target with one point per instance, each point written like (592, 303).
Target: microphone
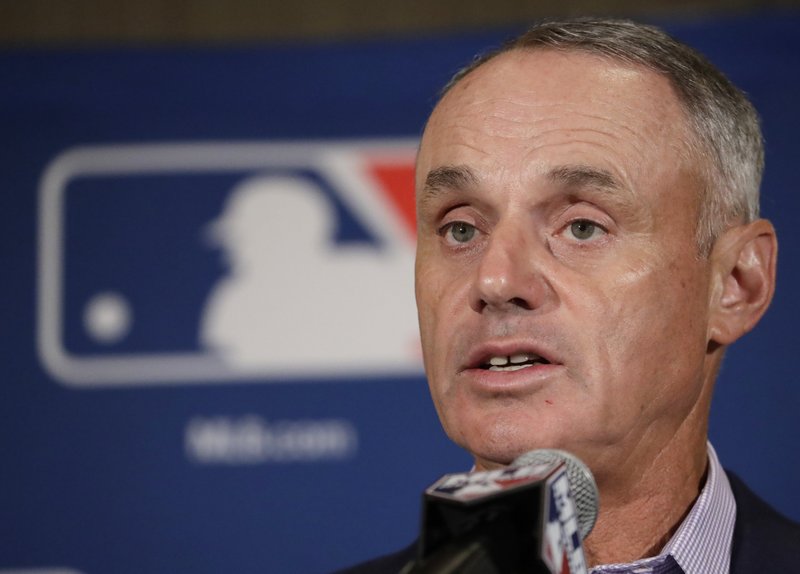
(530, 517)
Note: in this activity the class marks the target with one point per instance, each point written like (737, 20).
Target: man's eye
(459, 231)
(583, 229)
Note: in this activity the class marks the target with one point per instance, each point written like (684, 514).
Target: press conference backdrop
(209, 351)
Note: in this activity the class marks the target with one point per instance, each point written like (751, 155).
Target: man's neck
(639, 516)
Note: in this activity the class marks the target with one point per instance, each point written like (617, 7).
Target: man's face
(562, 301)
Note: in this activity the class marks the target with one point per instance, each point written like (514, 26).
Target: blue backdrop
(151, 198)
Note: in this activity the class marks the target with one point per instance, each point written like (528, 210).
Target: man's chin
(498, 455)
(499, 447)
(496, 440)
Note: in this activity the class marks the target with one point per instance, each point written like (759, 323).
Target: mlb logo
(562, 548)
(180, 263)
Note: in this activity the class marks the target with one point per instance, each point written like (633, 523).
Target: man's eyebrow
(571, 178)
(582, 176)
(447, 178)
(600, 182)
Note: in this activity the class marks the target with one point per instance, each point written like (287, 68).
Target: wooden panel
(33, 22)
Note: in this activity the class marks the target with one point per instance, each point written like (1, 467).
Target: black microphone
(530, 517)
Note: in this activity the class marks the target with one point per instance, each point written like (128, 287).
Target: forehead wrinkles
(513, 147)
(628, 120)
(633, 131)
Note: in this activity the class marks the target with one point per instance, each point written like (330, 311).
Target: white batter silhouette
(293, 298)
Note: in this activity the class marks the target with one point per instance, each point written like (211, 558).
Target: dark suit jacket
(764, 542)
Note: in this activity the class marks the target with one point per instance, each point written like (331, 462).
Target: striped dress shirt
(702, 543)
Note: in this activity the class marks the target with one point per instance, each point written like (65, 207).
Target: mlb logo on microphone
(211, 262)
(562, 548)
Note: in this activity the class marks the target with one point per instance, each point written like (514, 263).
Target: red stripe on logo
(397, 180)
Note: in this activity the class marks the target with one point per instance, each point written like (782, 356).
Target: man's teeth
(514, 362)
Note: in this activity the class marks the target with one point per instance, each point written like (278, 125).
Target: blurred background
(210, 361)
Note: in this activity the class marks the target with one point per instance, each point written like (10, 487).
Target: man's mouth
(513, 362)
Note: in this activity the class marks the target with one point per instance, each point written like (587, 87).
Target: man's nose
(510, 275)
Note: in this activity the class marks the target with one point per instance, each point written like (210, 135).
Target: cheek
(442, 290)
(649, 341)
(444, 317)
(436, 306)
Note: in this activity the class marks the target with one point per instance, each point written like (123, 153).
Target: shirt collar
(702, 543)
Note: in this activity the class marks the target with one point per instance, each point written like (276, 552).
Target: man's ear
(743, 261)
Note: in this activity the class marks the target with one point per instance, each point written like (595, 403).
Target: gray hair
(723, 125)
